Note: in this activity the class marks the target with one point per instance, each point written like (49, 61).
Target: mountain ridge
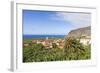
(76, 33)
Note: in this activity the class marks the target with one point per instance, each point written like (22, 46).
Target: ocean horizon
(43, 36)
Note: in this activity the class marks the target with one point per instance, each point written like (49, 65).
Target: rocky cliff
(85, 31)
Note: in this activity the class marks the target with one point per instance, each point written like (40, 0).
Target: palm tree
(73, 48)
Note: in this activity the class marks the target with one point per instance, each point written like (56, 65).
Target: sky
(53, 22)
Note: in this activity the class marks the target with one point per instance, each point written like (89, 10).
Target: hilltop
(85, 31)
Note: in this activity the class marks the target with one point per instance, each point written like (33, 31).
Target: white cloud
(77, 20)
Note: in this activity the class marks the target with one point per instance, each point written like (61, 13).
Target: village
(48, 43)
(58, 42)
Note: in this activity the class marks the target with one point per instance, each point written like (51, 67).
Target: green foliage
(54, 45)
(73, 50)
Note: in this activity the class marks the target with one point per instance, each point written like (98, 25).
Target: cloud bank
(77, 20)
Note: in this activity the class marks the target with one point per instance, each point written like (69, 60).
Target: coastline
(42, 36)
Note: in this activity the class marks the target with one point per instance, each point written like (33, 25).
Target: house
(85, 41)
(26, 44)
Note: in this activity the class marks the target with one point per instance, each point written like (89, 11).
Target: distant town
(47, 43)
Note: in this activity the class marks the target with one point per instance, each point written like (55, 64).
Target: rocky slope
(86, 31)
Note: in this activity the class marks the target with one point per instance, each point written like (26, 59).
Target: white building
(85, 41)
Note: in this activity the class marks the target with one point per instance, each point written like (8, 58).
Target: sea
(42, 36)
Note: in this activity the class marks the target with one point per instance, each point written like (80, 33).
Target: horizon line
(44, 34)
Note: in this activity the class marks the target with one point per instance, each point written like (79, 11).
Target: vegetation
(73, 50)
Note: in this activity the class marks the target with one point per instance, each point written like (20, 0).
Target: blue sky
(51, 22)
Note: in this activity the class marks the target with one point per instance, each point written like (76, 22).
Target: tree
(73, 49)
(54, 45)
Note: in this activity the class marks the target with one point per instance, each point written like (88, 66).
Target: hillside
(86, 31)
